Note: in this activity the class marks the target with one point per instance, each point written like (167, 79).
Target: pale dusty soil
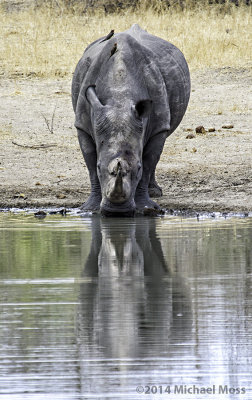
(211, 172)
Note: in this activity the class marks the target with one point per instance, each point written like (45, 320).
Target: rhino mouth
(117, 214)
(126, 209)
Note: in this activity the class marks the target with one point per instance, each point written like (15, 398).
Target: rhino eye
(143, 108)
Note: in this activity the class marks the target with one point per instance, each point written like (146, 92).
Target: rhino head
(119, 131)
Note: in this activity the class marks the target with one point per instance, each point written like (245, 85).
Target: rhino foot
(155, 190)
(144, 203)
(92, 203)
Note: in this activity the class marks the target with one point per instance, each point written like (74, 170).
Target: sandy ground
(42, 165)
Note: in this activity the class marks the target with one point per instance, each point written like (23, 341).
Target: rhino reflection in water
(132, 306)
(129, 93)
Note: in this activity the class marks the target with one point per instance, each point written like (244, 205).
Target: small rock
(63, 211)
(194, 149)
(40, 214)
(200, 129)
(237, 182)
(20, 196)
(190, 136)
(61, 196)
(211, 130)
(227, 126)
(188, 129)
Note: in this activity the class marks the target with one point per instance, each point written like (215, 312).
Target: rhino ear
(92, 98)
(143, 108)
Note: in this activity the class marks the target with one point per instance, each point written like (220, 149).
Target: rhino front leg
(88, 149)
(151, 155)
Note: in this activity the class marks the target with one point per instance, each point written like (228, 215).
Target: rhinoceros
(129, 93)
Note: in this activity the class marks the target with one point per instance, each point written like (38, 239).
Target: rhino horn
(119, 192)
(92, 98)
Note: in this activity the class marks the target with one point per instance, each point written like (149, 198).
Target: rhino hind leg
(154, 189)
(147, 185)
(89, 153)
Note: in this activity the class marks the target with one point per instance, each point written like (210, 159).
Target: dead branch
(36, 146)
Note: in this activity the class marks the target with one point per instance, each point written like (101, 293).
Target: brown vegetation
(47, 41)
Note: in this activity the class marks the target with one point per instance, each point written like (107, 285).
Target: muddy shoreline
(41, 164)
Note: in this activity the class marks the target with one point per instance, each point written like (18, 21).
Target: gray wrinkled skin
(129, 94)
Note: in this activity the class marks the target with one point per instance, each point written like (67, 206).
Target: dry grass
(48, 42)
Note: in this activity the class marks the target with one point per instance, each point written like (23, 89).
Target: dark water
(103, 308)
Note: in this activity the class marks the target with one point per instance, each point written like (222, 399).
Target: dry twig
(49, 126)
(36, 146)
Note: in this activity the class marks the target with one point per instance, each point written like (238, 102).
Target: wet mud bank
(41, 164)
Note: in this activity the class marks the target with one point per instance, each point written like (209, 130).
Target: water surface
(97, 308)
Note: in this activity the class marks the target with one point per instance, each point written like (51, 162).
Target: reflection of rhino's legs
(88, 149)
(154, 261)
(91, 265)
(151, 155)
(88, 287)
